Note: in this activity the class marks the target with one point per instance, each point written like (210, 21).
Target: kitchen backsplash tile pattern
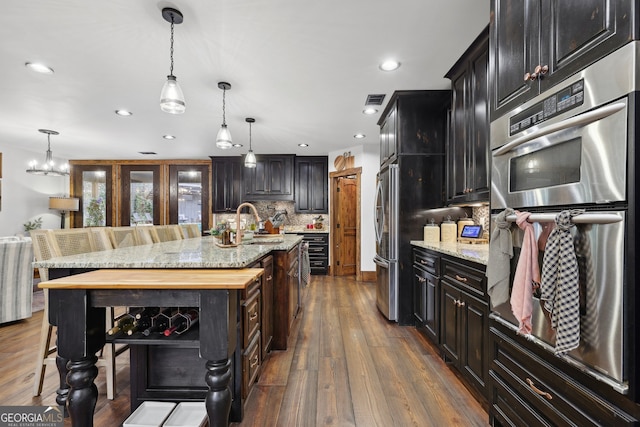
(267, 209)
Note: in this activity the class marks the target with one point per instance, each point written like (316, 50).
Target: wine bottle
(159, 322)
(182, 322)
(122, 322)
(148, 312)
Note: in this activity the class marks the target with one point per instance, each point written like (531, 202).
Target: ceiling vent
(375, 99)
(147, 153)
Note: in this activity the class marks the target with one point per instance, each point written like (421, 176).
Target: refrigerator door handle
(381, 261)
(378, 213)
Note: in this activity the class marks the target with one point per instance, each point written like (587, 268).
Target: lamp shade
(64, 203)
(223, 140)
(250, 160)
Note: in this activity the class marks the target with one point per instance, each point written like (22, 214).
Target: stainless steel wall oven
(573, 147)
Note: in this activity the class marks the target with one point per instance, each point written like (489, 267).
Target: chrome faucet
(238, 229)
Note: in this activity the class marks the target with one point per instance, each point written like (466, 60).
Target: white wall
(25, 197)
(368, 158)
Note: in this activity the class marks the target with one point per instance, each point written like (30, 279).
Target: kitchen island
(157, 277)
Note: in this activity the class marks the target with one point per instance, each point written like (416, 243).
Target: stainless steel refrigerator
(386, 230)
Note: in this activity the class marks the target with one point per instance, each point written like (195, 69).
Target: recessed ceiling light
(237, 145)
(370, 110)
(168, 136)
(39, 68)
(303, 145)
(389, 65)
(359, 136)
(124, 113)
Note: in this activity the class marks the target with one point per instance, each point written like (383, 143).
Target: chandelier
(49, 166)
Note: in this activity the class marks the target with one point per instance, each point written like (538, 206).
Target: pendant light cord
(249, 136)
(224, 120)
(171, 49)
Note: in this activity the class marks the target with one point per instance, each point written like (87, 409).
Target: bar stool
(46, 246)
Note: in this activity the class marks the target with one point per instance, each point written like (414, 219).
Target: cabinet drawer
(426, 260)
(465, 276)
(250, 318)
(251, 362)
(527, 390)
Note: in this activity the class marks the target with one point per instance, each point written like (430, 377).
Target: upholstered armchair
(16, 279)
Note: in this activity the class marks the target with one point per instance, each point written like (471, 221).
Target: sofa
(16, 278)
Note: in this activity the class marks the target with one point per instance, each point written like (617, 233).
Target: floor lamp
(64, 204)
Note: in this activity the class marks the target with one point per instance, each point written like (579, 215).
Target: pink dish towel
(526, 277)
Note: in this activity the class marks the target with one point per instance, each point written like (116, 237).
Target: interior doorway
(345, 222)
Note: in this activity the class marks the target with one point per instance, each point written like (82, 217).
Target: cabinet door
(514, 51)
(189, 195)
(419, 296)
(457, 149)
(478, 181)
(267, 304)
(140, 195)
(474, 360)
(392, 135)
(450, 321)
(576, 33)
(271, 179)
(226, 190)
(311, 184)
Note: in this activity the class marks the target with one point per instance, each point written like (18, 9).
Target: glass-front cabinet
(93, 185)
(121, 193)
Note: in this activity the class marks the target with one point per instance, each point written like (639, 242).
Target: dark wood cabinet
(251, 325)
(535, 44)
(464, 320)
(271, 179)
(285, 295)
(318, 252)
(413, 123)
(529, 387)
(267, 305)
(226, 177)
(426, 285)
(311, 184)
(468, 149)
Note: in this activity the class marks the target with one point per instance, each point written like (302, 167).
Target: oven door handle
(582, 119)
(585, 218)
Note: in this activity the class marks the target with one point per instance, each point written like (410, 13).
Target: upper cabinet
(411, 123)
(535, 44)
(271, 179)
(226, 177)
(311, 184)
(468, 149)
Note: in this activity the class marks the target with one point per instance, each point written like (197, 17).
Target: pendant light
(171, 97)
(49, 167)
(250, 159)
(223, 140)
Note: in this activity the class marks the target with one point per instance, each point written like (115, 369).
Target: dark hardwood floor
(346, 366)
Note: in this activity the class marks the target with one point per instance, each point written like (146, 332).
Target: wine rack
(156, 325)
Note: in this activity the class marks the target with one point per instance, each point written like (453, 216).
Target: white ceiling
(302, 69)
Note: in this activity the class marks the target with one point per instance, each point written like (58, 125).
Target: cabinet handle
(269, 278)
(254, 362)
(461, 303)
(253, 316)
(541, 70)
(461, 279)
(538, 391)
(527, 77)
(423, 261)
(421, 279)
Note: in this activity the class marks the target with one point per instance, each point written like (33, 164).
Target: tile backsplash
(267, 209)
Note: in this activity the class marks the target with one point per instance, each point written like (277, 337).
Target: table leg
(62, 393)
(83, 393)
(218, 400)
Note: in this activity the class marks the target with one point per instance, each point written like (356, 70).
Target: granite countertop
(477, 252)
(200, 252)
(302, 229)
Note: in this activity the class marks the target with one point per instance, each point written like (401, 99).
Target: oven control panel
(564, 100)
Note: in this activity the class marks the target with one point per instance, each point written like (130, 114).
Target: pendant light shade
(223, 139)
(250, 158)
(171, 97)
(48, 167)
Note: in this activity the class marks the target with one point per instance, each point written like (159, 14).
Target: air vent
(375, 99)
(147, 153)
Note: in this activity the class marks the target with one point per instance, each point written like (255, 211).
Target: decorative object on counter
(250, 159)
(472, 234)
(317, 222)
(171, 96)
(448, 231)
(64, 204)
(500, 253)
(48, 167)
(223, 139)
(431, 232)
